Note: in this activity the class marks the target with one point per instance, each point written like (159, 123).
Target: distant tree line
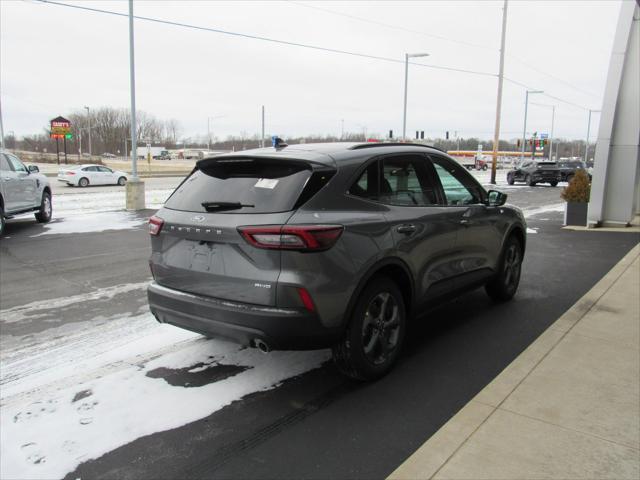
(110, 132)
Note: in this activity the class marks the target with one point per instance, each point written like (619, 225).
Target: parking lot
(93, 387)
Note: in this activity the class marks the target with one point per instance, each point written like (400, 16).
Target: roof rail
(392, 144)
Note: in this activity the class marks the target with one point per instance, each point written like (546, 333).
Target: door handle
(406, 228)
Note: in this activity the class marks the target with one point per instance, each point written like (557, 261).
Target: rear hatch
(547, 168)
(200, 250)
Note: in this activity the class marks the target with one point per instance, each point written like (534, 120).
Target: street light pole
(524, 129)
(586, 147)
(89, 121)
(208, 134)
(407, 56)
(496, 136)
(132, 82)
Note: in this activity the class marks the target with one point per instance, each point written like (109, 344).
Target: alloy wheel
(381, 328)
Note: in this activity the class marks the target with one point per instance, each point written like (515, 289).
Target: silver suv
(22, 190)
(328, 245)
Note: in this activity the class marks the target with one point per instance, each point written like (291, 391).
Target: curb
(429, 459)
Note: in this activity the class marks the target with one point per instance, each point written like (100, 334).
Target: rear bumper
(279, 328)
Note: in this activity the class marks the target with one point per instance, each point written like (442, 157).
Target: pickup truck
(22, 190)
(474, 164)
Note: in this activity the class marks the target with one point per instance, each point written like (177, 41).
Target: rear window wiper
(219, 206)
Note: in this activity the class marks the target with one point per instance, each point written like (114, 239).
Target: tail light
(155, 225)
(70, 173)
(306, 238)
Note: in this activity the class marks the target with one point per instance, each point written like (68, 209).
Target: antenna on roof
(277, 142)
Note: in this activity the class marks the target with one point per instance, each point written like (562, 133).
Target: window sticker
(269, 183)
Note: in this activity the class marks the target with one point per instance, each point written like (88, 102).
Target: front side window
(18, 166)
(458, 188)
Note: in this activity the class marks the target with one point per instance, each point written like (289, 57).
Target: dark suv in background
(568, 169)
(328, 245)
(532, 172)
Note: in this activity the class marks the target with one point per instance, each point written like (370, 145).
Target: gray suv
(22, 190)
(328, 245)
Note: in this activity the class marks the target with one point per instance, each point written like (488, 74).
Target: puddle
(196, 375)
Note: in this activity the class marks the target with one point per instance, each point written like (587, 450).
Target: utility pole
(262, 137)
(89, 120)
(496, 135)
(135, 188)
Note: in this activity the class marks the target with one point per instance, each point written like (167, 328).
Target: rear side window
(259, 186)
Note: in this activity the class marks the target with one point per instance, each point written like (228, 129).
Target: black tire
(2, 222)
(553, 184)
(46, 209)
(510, 179)
(122, 181)
(528, 180)
(371, 345)
(484, 167)
(505, 284)
(83, 182)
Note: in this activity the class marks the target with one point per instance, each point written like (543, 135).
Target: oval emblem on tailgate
(198, 218)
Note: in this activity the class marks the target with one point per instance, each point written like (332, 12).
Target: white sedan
(85, 175)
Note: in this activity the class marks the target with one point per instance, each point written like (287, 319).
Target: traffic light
(518, 143)
(390, 134)
(422, 135)
(447, 136)
(68, 136)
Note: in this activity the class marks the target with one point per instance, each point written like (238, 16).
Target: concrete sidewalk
(567, 407)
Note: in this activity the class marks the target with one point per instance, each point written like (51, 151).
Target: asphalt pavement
(318, 424)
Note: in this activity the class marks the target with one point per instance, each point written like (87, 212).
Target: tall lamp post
(89, 128)
(524, 129)
(586, 147)
(407, 56)
(553, 118)
(135, 188)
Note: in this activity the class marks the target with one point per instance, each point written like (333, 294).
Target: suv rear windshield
(260, 186)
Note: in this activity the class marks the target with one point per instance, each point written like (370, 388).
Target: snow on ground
(92, 222)
(76, 203)
(78, 391)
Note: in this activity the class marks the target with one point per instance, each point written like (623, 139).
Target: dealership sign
(61, 128)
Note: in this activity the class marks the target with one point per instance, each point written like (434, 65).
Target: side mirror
(33, 169)
(496, 198)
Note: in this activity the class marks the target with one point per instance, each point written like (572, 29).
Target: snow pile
(92, 222)
(81, 390)
(76, 203)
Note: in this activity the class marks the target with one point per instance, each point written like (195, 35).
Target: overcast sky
(54, 60)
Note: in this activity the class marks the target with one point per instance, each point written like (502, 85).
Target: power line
(460, 42)
(394, 27)
(266, 39)
(297, 44)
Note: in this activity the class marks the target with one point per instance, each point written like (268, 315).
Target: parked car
(568, 169)
(85, 175)
(108, 155)
(474, 164)
(531, 172)
(328, 245)
(22, 190)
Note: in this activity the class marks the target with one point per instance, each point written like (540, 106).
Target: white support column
(615, 198)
